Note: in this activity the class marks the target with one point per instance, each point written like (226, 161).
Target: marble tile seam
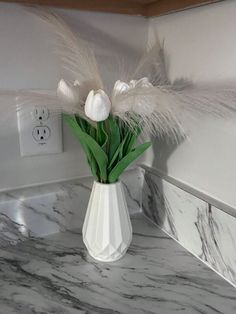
(228, 209)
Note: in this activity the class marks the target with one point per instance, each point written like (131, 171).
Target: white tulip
(97, 105)
(143, 82)
(120, 87)
(68, 93)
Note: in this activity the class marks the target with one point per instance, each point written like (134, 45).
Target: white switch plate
(40, 131)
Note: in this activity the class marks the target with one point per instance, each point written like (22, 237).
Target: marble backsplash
(43, 210)
(206, 231)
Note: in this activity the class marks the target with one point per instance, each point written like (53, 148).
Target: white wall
(201, 46)
(26, 61)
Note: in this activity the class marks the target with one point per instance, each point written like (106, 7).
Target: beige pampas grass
(167, 110)
(76, 55)
(159, 108)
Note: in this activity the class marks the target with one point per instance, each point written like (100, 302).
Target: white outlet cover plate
(26, 125)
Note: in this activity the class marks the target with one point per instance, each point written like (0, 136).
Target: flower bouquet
(108, 124)
(108, 143)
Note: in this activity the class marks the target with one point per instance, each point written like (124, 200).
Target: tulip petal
(120, 87)
(97, 106)
(67, 93)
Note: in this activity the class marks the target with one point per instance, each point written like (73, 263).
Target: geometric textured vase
(107, 230)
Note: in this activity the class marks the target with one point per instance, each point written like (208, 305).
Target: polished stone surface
(56, 275)
(51, 208)
(204, 230)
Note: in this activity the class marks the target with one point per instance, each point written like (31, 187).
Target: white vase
(107, 230)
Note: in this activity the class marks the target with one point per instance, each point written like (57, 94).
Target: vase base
(107, 260)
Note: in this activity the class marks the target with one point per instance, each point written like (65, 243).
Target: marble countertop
(56, 275)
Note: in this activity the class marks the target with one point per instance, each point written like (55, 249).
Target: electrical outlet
(41, 134)
(41, 113)
(40, 131)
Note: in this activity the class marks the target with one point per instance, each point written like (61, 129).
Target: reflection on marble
(157, 276)
(48, 209)
(206, 231)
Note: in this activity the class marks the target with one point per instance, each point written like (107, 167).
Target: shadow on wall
(154, 204)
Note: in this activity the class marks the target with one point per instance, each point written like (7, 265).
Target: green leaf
(126, 161)
(117, 154)
(114, 137)
(92, 132)
(102, 135)
(93, 165)
(82, 123)
(91, 161)
(125, 140)
(86, 126)
(133, 137)
(129, 143)
(89, 144)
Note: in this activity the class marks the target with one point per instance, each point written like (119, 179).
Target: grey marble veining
(48, 209)
(55, 274)
(204, 230)
(157, 276)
